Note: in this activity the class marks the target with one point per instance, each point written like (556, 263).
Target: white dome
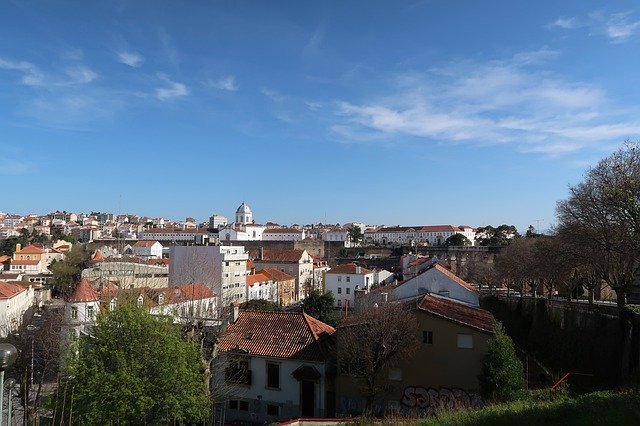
(243, 209)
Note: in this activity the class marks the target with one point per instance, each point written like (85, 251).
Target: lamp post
(10, 384)
(8, 355)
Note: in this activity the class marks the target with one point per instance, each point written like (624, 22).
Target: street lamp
(8, 355)
(10, 384)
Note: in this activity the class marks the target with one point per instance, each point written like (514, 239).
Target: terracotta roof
(349, 268)
(458, 312)
(256, 278)
(454, 277)
(5, 258)
(9, 290)
(293, 335)
(98, 256)
(282, 231)
(32, 249)
(84, 293)
(281, 255)
(276, 275)
(25, 262)
(145, 243)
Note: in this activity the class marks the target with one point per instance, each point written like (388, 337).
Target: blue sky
(416, 112)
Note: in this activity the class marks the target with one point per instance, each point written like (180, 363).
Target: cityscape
(324, 213)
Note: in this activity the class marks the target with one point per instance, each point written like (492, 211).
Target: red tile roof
(349, 268)
(144, 243)
(84, 293)
(9, 290)
(25, 262)
(458, 312)
(281, 255)
(276, 275)
(256, 278)
(282, 231)
(294, 335)
(32, 249)
(98, 256)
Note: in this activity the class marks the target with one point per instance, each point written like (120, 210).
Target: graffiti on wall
(429, 398)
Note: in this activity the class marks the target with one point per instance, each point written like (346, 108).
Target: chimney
(253, 271)
(236, 313)
(358, 269)
(18, 247)
(261, 253)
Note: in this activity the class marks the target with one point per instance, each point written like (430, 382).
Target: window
(90, 312)
(74, 312)
(465, 341)
(339, 278)
(348, 290)
(348, 279)
(235, 404)
(273, 375)
(112, 305)
(427, 337)
(273, 410)
(339, 290)
(339, 302)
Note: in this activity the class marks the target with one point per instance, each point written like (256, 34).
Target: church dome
(243, 209)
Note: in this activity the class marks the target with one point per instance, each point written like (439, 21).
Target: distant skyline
(423, 112)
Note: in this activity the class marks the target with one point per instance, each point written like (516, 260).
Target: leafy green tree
(457, 240)
(137, 369)
(502, 235)
(502, 377)
(259, 305)
(321, 306)
(67, 273)
(355, 234)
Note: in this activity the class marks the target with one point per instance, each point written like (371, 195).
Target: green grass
(599, 408)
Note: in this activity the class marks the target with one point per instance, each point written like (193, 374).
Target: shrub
(502, 377)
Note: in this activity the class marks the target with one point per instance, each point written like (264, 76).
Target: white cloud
(225, 83)
(566, 23)
(133, 59)
(509, 101)
(80, 75)
(31, 75)
(171, 89)
(619, 29)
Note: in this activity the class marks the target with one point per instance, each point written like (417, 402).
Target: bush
(502, 377)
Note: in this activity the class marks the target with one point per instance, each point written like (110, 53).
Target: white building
(337, 235)
(146, 249)
(283, 234)
(217, 221)
(343, 280)
(430, 235)
(172, 234)
(262, 287)
(222, 268)
(436, 280)
(244, 215)
(15, 300)
(275, 364)
(81, 308)
(297, 263)
(129, 272)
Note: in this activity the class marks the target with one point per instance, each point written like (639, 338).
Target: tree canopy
(260, 305)
(136, 369)
(67, 272)
(457, 240)
(355, 234)
(502, 235)
(602, 216)
(321, 306)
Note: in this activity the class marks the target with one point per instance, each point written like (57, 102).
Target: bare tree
(603, 214)
(372, 341)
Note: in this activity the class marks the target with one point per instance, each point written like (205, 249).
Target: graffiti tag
(430, 398)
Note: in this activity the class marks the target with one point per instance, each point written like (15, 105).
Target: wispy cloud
(225, 83)
(619, 28)
(508, 101)
(171, 90)
(12, 166)
(31, 75)
(80, 75)
(566, 23)
(133, 59)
